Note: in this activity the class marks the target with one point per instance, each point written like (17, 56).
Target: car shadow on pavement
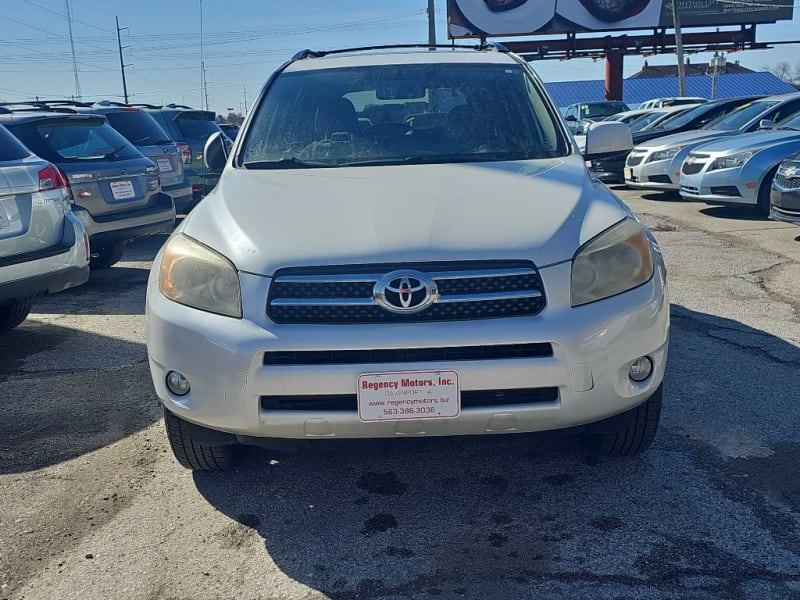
(667, 196)
(734, 213)
(56, 406)
(709, 512)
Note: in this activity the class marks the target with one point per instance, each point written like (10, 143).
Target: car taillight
(186, 152)
(50, 178)
(53, 178)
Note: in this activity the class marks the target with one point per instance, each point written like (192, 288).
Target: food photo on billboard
(478, 18)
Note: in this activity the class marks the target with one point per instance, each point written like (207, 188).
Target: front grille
(469, 399)
(787, 183)
(634, 159)
(466, 291)
(689, 189)
(691, 168)
(407, 355)
(659, 179)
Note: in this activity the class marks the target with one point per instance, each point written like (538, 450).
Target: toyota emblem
(405, 292)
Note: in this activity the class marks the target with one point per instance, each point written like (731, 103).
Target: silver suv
(115, 190)
(407, 243)
(43, 246)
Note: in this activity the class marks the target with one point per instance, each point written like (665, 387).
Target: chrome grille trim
(467, 290)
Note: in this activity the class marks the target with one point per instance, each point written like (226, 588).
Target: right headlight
(615, 261)
(195, 275)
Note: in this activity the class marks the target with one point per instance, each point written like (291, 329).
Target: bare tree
(784, 71)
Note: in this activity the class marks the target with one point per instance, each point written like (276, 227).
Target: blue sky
(244, 41)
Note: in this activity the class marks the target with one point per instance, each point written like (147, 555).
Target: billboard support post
(676, 22)
(614, 62)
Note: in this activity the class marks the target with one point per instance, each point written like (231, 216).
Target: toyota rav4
(407, 243)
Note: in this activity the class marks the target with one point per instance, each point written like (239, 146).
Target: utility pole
(203, 94)
(431, 23)
(676, 21)
(72, 47)
(244, 91)
(122, 64)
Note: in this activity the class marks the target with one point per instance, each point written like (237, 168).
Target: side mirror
(605, 139)
(571, 118)
(766, 124)
(215, 153)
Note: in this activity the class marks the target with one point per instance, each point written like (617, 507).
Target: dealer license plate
(164, 165)
(408, 395)
(628, 173)
(122, 189)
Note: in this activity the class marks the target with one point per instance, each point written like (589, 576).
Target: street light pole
(202, 63)
(431, 23)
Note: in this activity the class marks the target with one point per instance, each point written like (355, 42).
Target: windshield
(138, 127)
(77, 140)
(602, 109)
(680, 119)
(197, 128)
(791, 122)
(741, 116)
(418, 113)
(646, 120)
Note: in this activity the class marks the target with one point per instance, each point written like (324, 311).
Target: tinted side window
(787, 110)
(10, 147)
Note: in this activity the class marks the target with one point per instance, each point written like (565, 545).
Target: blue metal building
(636, 91)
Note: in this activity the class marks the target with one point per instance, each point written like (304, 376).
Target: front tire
(14, 314)
(764, 192)
(633, 431)
(196, 455)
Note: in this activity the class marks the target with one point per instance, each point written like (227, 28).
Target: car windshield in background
(138, 127)
(10, 147)
(197, 128)
(682, 118)
(646, 120)
(417, 114)
(791, 122)
(741, 116)
(602, 109)
(81, 141)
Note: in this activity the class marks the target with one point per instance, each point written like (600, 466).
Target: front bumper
(656, 175)
(611, 169)
(722, 186)
(593, 346)
(50, 274)
(785, 205)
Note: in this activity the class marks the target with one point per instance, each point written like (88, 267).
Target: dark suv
(115, 190)
(190, 128)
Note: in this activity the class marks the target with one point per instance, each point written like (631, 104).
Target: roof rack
(39, 106)
(484, 45)
(143, 105)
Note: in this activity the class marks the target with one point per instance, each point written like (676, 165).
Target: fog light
(178, 384)
(640, 369)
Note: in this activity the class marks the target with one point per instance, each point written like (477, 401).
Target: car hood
(542, 210)
(686, 137)
(751, 141)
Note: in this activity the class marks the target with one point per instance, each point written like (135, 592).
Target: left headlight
(664, 154)
(617, 260)
(194, 275)
(731, 162)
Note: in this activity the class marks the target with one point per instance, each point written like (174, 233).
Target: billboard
(478, 18)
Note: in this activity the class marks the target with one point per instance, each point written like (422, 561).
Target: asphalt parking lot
(94, 506)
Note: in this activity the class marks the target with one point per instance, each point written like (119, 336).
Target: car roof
(398, 56)
(39, 115)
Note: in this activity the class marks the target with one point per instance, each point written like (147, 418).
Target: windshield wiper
(285, 163)
(115, 152)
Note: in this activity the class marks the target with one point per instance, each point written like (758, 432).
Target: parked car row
(717, 163)
(78, 181)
